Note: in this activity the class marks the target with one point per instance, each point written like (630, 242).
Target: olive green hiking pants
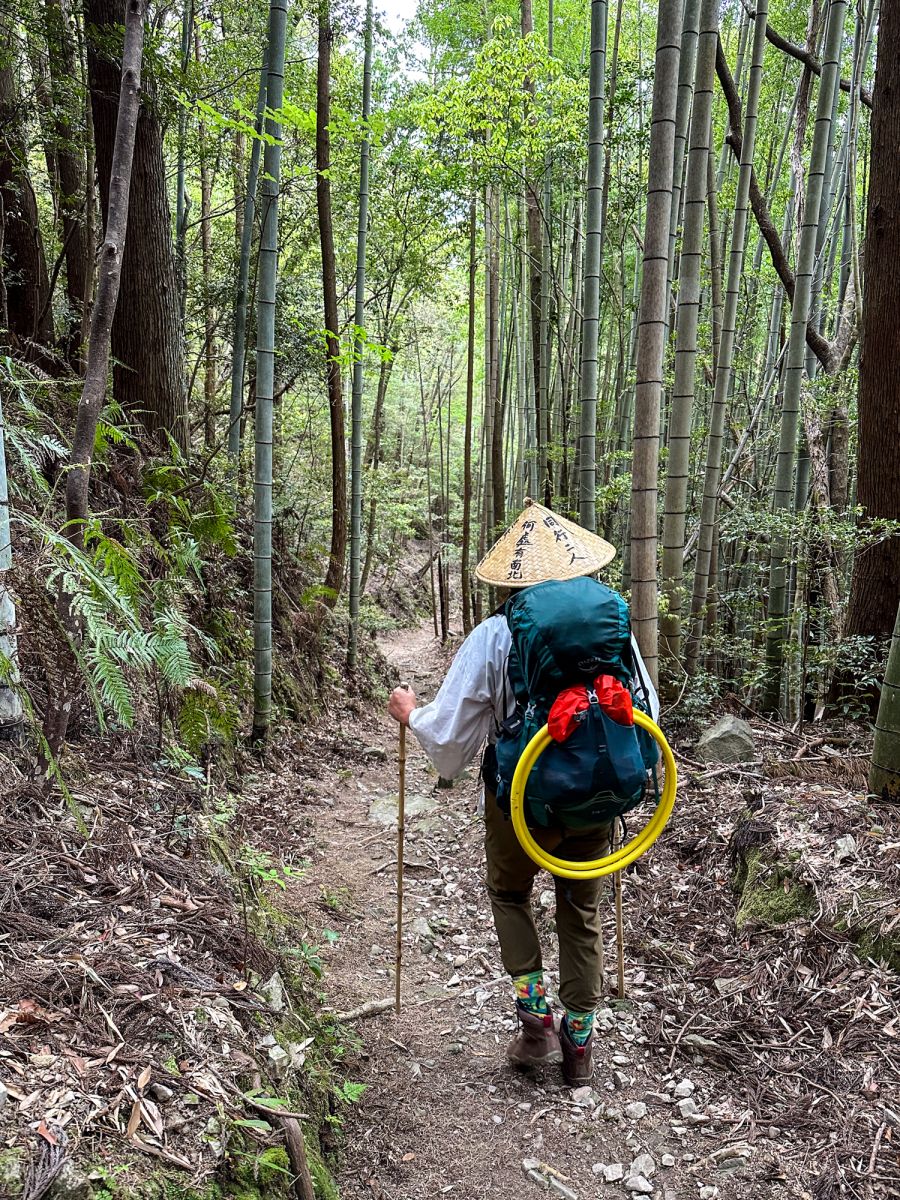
(510, 878)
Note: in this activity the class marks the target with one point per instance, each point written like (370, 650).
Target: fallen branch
(370, 1009)
(296, 1148)
(159, 1152)
(271, 1111)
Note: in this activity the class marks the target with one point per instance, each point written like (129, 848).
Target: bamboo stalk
(652, 329)
(359, 336)
(796, 365)
(684, 391)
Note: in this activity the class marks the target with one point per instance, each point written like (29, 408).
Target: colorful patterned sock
(530, 992)
(580, 1026)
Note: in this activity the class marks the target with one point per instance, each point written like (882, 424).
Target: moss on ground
(883, 948)
(770, 895)
(265, 1174)
(325, 1187)
(11, 1171)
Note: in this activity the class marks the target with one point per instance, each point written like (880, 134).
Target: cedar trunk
(147, 340)
(68, 134)
(334, 576)
(24, 266)
(118, 187)
(875, 590)
(884, 771)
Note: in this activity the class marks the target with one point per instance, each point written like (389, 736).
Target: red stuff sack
(614, 699)
(563, 718)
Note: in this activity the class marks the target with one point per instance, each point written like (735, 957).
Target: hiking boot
(535, 1042)
(578, 1064)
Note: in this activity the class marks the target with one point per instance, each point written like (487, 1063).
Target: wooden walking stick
(620, 923)
(401, 826)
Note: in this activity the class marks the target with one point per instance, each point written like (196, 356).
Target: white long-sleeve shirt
(476, 697)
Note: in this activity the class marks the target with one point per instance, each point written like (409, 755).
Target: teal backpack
(566, 634)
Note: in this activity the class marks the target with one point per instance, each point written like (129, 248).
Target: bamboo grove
(382, 281)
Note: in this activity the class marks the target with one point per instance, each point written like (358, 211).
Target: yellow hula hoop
(594, 868)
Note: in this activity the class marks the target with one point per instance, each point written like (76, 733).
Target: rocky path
(441, 1114)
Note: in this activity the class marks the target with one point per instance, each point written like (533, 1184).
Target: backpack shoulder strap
(637, 673)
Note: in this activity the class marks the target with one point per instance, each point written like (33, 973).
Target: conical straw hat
(541, 545)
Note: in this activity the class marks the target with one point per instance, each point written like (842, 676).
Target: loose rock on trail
(737, 1067)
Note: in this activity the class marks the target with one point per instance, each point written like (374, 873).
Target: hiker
(480, 701)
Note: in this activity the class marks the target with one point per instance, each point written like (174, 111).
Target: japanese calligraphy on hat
(540, 545)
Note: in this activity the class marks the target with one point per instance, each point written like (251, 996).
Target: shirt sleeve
(472, 699)
(644, 682)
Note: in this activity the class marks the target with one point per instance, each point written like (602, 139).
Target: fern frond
(112, 685)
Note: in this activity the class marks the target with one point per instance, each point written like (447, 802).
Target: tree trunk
(265, 379)
(688, 314)
(611, 102)
(884, 772)
(547, 227)
(794, 369)
(10, 703)
(206, 261)
(334, 576)
(467, 435)
(182, 199)
(147, 336)
(690, 33)
(490, 349)
(69, 137)
(651, 338)
(112, 256)
(587, 443)
(535, 254)
(242, 295)
(497, 514)
(356, 417)
(384, 376)
(713, 470)
(875, 588)
(24, 265)
(716, 249)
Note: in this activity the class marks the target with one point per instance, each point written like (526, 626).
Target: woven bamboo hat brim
(541, 545)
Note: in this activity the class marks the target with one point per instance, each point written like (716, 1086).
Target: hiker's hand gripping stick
(401, 704)
(610, 863)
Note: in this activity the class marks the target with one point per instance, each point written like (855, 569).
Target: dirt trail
(442, 1114)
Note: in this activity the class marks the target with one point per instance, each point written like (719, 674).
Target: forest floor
(754, 1062)
(757, 1052)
